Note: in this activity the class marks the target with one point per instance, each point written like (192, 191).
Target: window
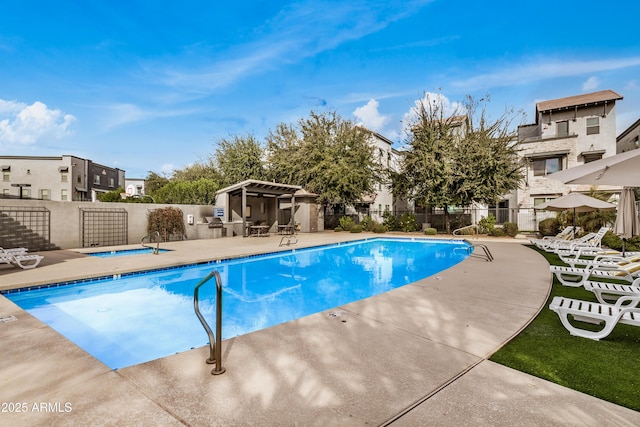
(79, 179)
(588, 158)
(96, 179)
(112, 182)
(540, 200)
(593, 125)
(44, 194)
(63, 195)
(26, 192)
(5, 191)
(64, 173)
(5, 173)
(562, 128)
(542, 167)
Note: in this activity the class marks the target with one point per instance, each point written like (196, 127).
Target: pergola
(256, 188)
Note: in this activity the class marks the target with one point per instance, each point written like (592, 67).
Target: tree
(326, 155)
(199, 192)
(450, 161)
(204, 169)
(111, 196)
(239, 159)
(153, 182)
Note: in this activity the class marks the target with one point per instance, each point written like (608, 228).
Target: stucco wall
(65, 219)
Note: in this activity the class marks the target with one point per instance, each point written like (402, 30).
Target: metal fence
(527, 219)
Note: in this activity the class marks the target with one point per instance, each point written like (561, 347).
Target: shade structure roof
(260, 187)
(577, 202)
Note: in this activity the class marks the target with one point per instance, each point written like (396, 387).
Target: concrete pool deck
(414, 356)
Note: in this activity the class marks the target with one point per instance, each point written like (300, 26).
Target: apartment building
(567, 132)
(64, 178)
(629, 139)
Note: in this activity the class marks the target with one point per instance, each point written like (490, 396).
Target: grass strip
(606, 369)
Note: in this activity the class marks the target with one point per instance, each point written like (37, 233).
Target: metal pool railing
(215, 342)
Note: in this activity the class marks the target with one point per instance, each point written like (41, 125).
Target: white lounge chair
(23, 261)
(625, 311)
(13, 251)
(592, 256)
(608, 293)
(600, 260)
(566, 234)
(591, 240)
(573, 276)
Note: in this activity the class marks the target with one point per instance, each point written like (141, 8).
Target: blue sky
(151, 85)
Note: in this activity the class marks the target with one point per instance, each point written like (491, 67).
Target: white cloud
(592, 83)
(433, 102)
(297, 31)
(632, 85)
(27, 124)
(536, 71)
(370, 116)
(168, 169)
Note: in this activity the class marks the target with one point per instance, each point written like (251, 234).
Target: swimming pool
(128, 319)
(124, 252)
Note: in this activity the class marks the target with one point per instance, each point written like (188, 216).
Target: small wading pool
(132, 318)
(124, 252)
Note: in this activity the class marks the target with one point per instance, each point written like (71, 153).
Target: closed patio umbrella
(577, 202)
(627, 222)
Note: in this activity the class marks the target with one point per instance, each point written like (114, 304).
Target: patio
(414, 356)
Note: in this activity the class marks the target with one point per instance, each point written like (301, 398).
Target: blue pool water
(123, 252)
(130, 319)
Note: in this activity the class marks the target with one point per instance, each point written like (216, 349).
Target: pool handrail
(155, 234)
(215, 342)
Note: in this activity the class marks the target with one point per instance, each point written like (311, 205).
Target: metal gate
(103, 227)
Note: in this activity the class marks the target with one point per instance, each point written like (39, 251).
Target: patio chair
(23, 261)
(609, 293)
(591, 240)
(555, 245)
(13, 251)
(591, 256)
(573, 276)
(601, 260)
(625, 311)
(565, 234)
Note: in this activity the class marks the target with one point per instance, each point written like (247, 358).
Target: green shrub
(486, 224)
(379, 228)
(390, 221)
(407, 222)
(497, 232)
(612, 241)
(338, 229)
(368, 223)
(467, 232)
(356, 229)
(549, 227)
(346, 222)
(510, 229)
(430, 231)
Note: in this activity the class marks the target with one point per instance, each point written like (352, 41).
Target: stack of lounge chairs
(19, 257)
(618, 302)
(546, 241)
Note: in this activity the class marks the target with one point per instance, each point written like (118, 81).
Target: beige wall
(65, 219)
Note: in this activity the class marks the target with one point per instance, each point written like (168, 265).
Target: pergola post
(244, 211)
